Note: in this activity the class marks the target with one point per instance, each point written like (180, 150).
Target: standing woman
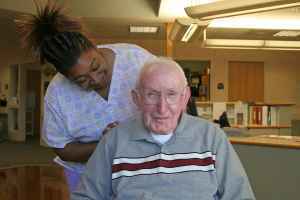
(91, 90)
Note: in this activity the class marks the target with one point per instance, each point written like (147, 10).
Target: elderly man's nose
(162, 104)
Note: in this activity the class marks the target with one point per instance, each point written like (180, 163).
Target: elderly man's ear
(187, 96)
(135, 98)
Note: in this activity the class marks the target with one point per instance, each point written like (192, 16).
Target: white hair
(160, 63)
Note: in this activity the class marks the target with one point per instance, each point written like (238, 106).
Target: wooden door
(246, 81)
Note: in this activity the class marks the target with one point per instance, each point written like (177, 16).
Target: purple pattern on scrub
(73, 178)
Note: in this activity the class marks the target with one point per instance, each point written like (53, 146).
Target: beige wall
(157, 47)
(297, 113)
(10, 56)
(281, 70)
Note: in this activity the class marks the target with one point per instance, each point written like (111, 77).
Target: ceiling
(111, 19)
(260, 26)
(103, 18)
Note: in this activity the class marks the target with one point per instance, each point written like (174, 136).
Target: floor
(28, 153)
(27, 166)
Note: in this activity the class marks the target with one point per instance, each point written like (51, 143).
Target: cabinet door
(246, 81)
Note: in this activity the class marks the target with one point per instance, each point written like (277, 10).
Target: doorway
(24, 100)
(33, 103)
(198, 76)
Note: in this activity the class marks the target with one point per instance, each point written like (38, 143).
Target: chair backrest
(239, 132)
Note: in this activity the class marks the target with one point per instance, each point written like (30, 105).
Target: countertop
(268, 140)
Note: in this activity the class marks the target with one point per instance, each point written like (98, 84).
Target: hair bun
(49, 21)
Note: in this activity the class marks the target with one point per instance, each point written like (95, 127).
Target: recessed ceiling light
(287, 34)
(143, 29)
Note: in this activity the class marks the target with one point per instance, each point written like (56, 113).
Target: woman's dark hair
(53, 36)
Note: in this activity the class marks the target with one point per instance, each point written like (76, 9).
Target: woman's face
(91, 71)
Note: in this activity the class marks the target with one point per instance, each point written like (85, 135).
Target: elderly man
(164, 153)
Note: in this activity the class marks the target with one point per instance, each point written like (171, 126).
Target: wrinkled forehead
(162, 77)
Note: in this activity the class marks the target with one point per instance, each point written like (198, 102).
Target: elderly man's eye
(151, 94)
(172, 94)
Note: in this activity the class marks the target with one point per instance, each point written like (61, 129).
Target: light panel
(234, 43)
(172, 9)
(287, 34)
(256, 22)
(143, 29)
(184, 30)
(281, 44)
(189, 32)
(221, 9)
(259, 44)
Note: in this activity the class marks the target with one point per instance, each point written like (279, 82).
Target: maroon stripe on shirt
(162, 163)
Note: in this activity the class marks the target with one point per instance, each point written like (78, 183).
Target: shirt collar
(139, 132)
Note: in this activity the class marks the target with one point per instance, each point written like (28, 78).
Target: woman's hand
(110, 126)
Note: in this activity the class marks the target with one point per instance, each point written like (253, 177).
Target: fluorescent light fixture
(282, 44)
(257, 22)
(221, 9)
(185, 29)
(189, 32)
(143, 29)
(234, 43)
(171, 9)
(287, 34)
(261, 44)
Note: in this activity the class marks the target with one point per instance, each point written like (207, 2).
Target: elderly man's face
(162, 97)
